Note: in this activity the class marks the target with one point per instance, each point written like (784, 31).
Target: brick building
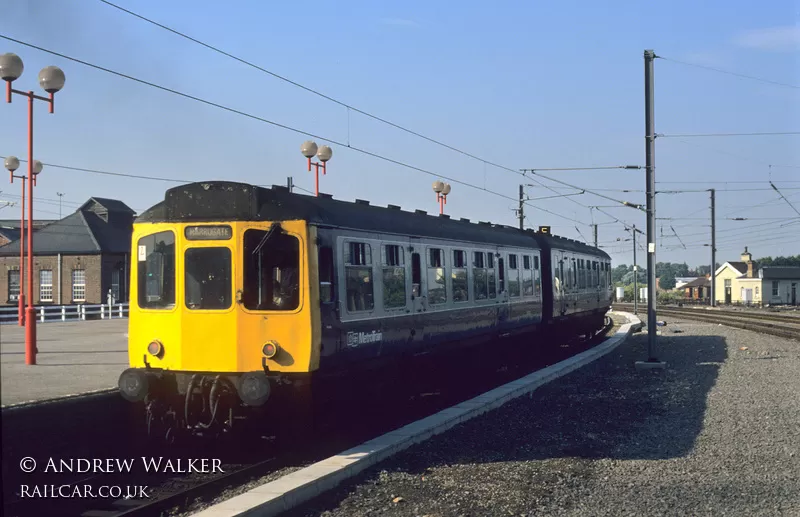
(76, 259)
(698, 289)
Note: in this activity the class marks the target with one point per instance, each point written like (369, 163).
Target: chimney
(747, 258)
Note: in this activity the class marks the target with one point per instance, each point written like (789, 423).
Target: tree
(618, 272)
(667, 280)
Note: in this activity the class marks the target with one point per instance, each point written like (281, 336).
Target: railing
(82, 312)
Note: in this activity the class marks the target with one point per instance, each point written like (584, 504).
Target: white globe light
(51, 79)
(309, 148)
(11, 67)
(12, 163)
(37, 166)
(438, 186)
(446, 189)
(325, 153)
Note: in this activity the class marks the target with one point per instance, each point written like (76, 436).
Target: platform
(74, 358)
(715, 433)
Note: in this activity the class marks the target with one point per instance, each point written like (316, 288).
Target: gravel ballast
(716, 433)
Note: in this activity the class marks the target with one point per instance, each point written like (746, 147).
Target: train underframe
(212, 404)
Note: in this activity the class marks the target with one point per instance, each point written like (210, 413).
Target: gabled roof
(82, 232)
(739, 267)
(111, 205)
(780, 273)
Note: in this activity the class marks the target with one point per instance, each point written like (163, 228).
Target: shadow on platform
(605, 410)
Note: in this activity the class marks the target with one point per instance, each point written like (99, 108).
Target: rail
(79, 312)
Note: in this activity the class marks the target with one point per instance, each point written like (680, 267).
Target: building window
(115, 285)
(358, 276)
(13, 285)
(78, 285)
(728, 282)
(774, 288)
(394, 277)
(46, 285)
(437, 288)
(756, 291)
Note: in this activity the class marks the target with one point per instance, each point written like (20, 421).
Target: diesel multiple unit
(239, 291)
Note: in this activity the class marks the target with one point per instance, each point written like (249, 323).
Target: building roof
(698, 282)
(779, 273)
(110, 205)
(85, 231)
(741, 267)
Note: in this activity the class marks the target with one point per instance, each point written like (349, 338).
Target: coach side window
(358, 273)
(527, 276)
(394, 277)
(479, 274)
(460, 285)
(437, 287)
(326, 274)
(513, 276)
(537, 275)
(490, 275)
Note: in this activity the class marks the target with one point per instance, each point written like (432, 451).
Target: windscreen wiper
(265, 238)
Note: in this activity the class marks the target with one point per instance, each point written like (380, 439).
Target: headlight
(270, 349)
(155, 348)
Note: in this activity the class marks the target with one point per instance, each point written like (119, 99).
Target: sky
(529, 85)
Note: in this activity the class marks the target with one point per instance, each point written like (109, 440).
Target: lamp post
(442, 190)
(309, 149)
(51, 79)
(12, 164)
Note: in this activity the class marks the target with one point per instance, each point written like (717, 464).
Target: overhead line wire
(736, 74)
(284, 126)
(341, 103)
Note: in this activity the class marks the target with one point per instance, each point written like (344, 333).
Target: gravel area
(716, 433)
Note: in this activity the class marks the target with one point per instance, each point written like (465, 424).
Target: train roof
(224, 200)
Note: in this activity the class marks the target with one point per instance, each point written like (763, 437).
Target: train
(242, 293)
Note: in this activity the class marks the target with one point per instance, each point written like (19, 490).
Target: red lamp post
(309, 149)
(442, 190)
(12, 164)
(51, 79)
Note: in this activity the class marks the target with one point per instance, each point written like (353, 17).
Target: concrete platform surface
(73, 358)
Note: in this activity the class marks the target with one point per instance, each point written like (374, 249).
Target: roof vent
(362, 201)
(464, 220)
(280, 187)
(485, 223)
(326, 196)
(445, 216)
(421, 212)
(393, 207)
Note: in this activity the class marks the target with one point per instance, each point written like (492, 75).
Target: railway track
(771, 324)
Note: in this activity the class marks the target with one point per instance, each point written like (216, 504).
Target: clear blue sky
(523, 84)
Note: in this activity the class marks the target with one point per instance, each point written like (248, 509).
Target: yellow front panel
(231, 339)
